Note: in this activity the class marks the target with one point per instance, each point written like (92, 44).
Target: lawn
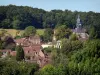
(14, 32)
(40, 31)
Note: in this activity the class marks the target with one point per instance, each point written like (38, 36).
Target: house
(33, 49)
(58, 44)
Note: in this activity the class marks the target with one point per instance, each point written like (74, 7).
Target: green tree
(6, 23)
(52, 70)
(92, 33)
(48, 34)
(30, 30)
(48, 70)
(16, 24)
(0, 54)
(1, 47)
(76, 45)
(20, 53)
(73, 37)
(12, 67)
(66, 46)
(62, 32)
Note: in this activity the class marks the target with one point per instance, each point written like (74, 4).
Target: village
(33, 45)
(49, 37)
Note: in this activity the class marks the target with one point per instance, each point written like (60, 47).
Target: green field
(14, 32)
(40, 31)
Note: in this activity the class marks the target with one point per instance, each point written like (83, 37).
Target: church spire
(78, 24)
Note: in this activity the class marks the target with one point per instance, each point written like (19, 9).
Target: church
(79, 30)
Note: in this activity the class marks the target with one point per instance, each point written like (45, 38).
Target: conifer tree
(20, 53)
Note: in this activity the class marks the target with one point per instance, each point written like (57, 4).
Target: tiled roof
(32, 48)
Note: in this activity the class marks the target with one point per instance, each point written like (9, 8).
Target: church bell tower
(78, 24)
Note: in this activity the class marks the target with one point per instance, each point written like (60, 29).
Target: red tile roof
(32, 48)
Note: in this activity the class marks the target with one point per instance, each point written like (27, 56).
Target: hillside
(14, 32)
(19, 17)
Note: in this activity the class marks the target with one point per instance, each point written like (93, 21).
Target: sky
(79, 5)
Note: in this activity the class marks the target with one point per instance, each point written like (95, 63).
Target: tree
(76, 45)
(92, 33)
(20, 53)
(48, 70)
(40, 18)
(66, 46)
(6, 23)
(85, 61)
(52, 70)
(73, 37)
(62, 32)
(8, 42)
(1, 47)
(30, 30)
(16, 24)
(48, 34)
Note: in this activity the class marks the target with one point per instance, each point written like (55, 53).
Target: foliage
(18, 37)
(62, 32)
(47, 50)
(51, 70)
(73, 37)
(7, 42)
(30, 30)
(92, 33)
(20, 17)
(66, 46)
(20, 53)
(69, 46)
(76, 45)
(15, 68)
(85, 61)
(1, 47)
(18, 33)
(48, 34)
(16, 24)
(40, 32)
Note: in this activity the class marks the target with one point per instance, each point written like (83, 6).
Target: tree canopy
(62, 32)
(19, 17)
(30, 30)
(48, 34)
(20, 53)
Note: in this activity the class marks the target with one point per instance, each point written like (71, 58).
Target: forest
(19, 17)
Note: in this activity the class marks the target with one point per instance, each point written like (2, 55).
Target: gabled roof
(32, 48)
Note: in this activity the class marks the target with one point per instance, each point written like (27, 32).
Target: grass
(40, 31)
(14, 32)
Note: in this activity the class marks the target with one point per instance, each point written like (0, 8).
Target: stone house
(33, 49)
